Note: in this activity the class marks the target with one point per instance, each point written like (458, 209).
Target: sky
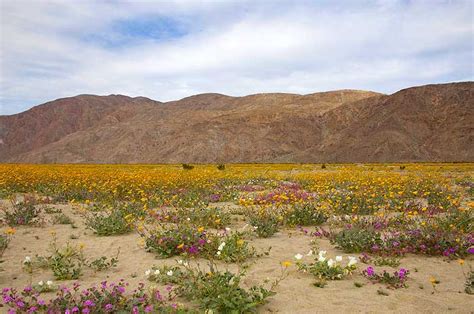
(167, 50)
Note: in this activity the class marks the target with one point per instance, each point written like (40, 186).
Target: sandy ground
(295, 294)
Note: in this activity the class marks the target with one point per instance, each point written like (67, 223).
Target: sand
(295, 294)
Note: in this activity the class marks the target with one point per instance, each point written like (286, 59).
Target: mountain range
(426, 123)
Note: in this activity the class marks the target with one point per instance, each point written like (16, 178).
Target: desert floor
(295, 294)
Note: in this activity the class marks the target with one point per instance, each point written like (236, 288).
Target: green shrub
(265, 225)
(215, 291)
(109, 223)
(305, 215)
(356, 240)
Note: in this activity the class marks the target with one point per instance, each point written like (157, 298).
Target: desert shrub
(265, 224)
(66, 262)
(327, 269)
(175, 240)
(24, 212)
(108, 223)
(103, 263)
(215, 290)
(356, 240)
(62, 219)
(305, 215)
(230, 248)
(393, 281)
(187, 166)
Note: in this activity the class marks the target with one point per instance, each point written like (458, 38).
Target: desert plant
(305, 215)
(393, 281)
(215, 290)
(62, 219)
(24, 212)
(265, 224)
(187, 166)
(108, 223)
(230, 248)
(355, 240)
(327, 269)
(103, 263)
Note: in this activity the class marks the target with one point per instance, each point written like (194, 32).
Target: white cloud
(52, 49)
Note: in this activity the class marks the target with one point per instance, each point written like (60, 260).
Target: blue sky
(168, 50)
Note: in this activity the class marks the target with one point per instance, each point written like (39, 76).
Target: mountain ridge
(425, 123)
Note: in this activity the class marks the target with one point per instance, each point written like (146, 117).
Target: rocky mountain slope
(427, 123)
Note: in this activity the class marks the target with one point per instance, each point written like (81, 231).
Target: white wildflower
(49, 283)
(27, 260)
(221, 246)
(148, 272)
(352, 261)
(330, 262)
(170, 273)
(157, 272)
(41, 283)
(338, 258)
(298, 256)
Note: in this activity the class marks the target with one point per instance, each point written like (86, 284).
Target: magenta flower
(402, 273)
(148, 308)
(32, 309)
(89, 303)
(370, 271)
(109, 307)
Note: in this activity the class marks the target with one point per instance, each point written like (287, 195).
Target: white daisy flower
(298, 256)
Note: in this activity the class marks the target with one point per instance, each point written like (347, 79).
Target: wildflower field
(239, 238)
